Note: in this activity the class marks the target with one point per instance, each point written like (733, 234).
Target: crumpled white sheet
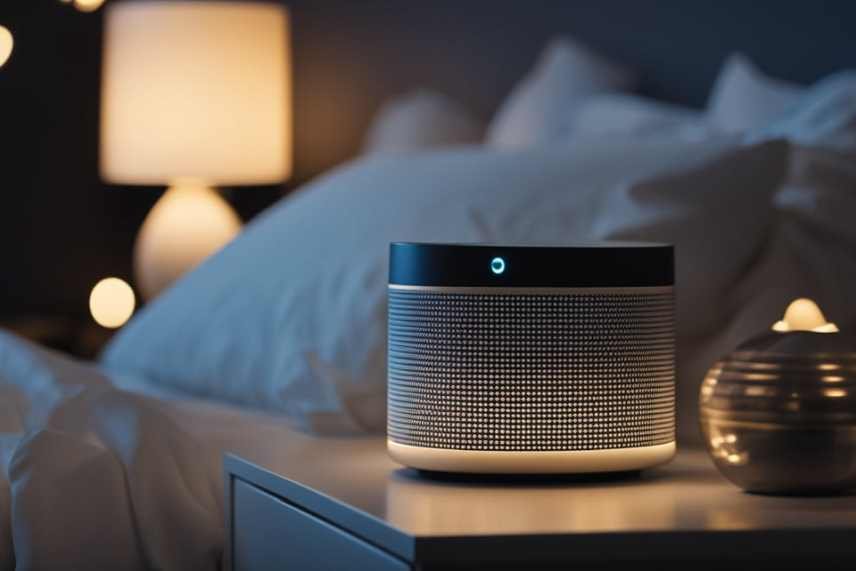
(96, 477)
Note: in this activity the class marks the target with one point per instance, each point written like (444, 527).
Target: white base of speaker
(551, 462)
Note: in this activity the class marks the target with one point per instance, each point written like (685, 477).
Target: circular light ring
(497, 265)
(599, 264)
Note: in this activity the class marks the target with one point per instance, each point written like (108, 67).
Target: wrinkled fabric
(96, 477)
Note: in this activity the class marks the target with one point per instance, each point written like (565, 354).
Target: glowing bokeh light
(88, 5)
(111, 302)
(7, 43)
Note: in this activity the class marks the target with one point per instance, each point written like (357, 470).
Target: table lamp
(193, 94)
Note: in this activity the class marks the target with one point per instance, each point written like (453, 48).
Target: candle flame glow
(803, 314)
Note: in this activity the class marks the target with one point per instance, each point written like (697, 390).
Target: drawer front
(268, 533)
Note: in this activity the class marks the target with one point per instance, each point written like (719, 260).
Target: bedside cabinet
(354, 509)
(270, 532)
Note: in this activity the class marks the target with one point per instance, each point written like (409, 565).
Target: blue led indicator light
(497, 265)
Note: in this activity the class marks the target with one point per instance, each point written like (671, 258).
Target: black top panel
(604, 264)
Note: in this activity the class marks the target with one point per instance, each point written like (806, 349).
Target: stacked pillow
(574, 93)
(743, 98)
(541, 108)
(419, 120)
(824, 116)
(623, 115)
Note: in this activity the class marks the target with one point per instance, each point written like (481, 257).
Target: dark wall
(352, 54)
(61, 229)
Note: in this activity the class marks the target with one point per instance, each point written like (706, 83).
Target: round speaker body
(531, 359)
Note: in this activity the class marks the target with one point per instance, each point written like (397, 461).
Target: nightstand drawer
(269, 533)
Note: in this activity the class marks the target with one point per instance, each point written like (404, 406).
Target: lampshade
(196, 90)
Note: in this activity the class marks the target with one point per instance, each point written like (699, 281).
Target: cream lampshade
(193, 94)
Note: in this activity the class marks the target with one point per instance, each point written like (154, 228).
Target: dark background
(61, 229)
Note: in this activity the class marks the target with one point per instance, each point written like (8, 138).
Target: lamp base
(190, 222)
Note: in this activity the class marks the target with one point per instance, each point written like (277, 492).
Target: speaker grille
(531, 372)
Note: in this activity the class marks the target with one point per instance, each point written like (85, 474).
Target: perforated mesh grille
(531, 372)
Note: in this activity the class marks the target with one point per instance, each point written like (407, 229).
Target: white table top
(687, 494)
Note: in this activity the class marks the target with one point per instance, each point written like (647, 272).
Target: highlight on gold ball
(7, 44)
(112, 303)
(88, 5)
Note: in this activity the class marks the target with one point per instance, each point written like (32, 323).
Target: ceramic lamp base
(190, 222)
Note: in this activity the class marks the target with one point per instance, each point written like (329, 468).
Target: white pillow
(541, 107)
(419, 120)
(824, 117)
(743, 98)
(624, 115)
(291, 316)
(819, 189)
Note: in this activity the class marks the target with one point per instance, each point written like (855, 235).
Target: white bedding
(110, 473)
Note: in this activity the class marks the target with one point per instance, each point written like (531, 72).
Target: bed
(117, 464)
(119, 474)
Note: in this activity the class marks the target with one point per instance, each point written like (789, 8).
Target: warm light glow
(726, 447)
(761, 377)
(87, 5)
(803, 314)
(111, 302)
(7, 43)
(756, 391)
(188, 224)
(196, 89)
